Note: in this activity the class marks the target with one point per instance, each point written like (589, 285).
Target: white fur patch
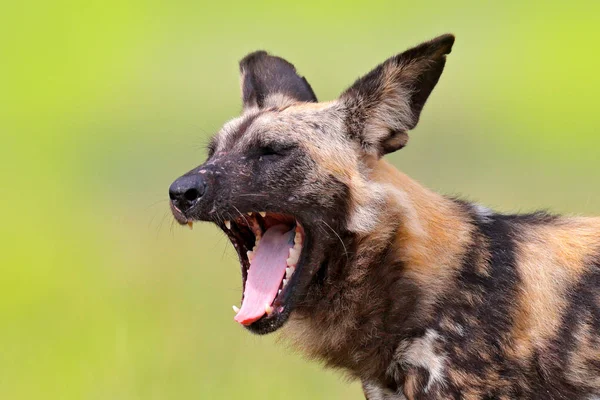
(484, 213)
(411, 218)
(421, 353)
(374, 392)
(364, 218)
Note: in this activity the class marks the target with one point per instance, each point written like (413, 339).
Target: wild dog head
(289, 179)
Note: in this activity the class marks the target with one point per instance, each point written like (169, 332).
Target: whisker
(152, 220)
(254, 194)
(338, 236)
(161, 223)
(156, 202)
(219, 218)
(224, 252)
(242, 215)
(171, 227)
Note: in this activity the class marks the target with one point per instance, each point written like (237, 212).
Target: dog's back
(487, 305)
(519, 318)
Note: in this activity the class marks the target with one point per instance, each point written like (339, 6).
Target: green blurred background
(103, 104)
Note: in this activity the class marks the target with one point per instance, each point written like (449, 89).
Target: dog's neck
(382, 290)
(433, 230)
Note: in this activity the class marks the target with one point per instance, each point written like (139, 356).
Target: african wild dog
(417, 295)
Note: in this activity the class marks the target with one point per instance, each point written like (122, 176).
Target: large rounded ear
(269, 81)
(387, 102)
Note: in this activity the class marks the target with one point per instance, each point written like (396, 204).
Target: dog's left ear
(387, 102)
(269, 81)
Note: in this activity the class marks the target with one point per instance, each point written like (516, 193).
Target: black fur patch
(482, 306)
(434, 51)
(583, 308)
(416, 72)
(265, 75)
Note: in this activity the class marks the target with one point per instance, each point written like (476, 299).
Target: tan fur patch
(550, 260)
(433, 237)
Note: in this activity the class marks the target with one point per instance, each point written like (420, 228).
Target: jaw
(268, 298)
(273, 250)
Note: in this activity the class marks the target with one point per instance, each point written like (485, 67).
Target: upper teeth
(263, 214)
(228, 224)
(292, 260)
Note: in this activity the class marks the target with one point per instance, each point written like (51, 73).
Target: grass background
(103, 104)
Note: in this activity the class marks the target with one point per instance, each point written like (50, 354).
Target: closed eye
(269, 151)
(274, 151)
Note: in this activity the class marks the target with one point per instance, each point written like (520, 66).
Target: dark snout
(185, 192)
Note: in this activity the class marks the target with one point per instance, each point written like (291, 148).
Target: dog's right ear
(269, 81)
(386, 103)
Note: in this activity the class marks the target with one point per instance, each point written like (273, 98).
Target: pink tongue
(267, 270)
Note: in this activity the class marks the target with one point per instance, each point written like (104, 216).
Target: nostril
(191, 194)
(187, 190)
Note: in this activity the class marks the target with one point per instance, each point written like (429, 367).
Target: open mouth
(269, 247)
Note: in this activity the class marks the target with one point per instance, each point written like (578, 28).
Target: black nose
(187, 190)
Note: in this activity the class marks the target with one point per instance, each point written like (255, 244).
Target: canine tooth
(250, 254)
(263, 214)
(268, 309)
(190, 224)
(228, 224)
(249, 213)
(237, 310)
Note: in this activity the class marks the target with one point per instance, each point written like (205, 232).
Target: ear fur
(385, 103)
(269, 81)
